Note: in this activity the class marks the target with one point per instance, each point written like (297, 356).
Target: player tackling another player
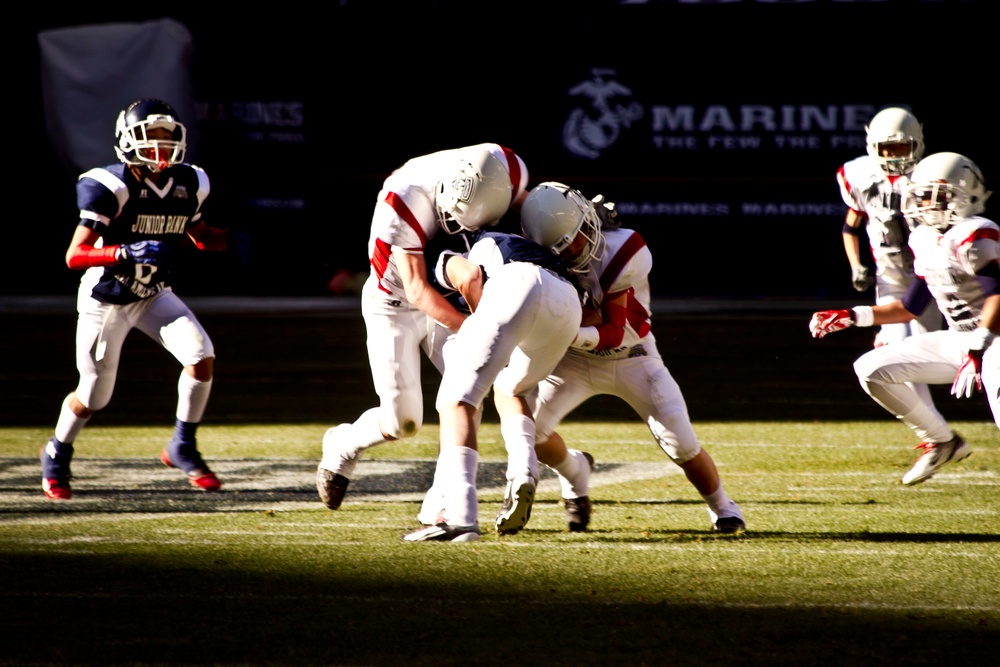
(957, 264)
(455, 191)
(525, 312)
(614, 351)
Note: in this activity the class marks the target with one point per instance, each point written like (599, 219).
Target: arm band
(918, 296)
(853, 231)
(586, 338)
(87, 256)
(989, 278)
(864, 316)
(612, 330)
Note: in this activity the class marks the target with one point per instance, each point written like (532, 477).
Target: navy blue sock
(184, 432)
(58, 466)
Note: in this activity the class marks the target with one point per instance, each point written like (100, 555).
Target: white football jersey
(866, 189)
(405, 214)
(625, 265)
(948, 263)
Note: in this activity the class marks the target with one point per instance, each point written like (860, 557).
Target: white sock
(69, 425)
(461, 503)
(362, 434)
(192, 397)
(433, 505)
(574, 475)
(518, 432)
(720, 504)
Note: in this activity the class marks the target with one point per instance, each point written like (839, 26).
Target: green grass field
(841, 564)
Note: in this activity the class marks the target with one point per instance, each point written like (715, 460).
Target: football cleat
(332, 487)
(200, 476)
(56, 489)
(517, 501)
(936, 455)
(578, 509)
(578, 513)
(729, 525)
(444, 532)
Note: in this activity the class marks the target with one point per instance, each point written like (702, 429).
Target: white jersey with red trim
(405, 213)
(868, 190)
(948, 263)
(625, 266)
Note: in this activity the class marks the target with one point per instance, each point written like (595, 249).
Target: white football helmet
(474, 191)
(136, 148)
(895, 126)
(945, 189)
(554, 214)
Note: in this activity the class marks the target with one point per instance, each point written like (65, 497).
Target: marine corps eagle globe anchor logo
(587, 132)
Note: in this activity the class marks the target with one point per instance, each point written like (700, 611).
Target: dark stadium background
(304, 110)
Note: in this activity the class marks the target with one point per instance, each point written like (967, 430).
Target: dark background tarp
(716, 126)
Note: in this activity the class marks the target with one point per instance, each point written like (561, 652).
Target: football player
(957, 264)
(873, 187)
(455, 191)
(525, 312)
(613, 353)
(133, 216)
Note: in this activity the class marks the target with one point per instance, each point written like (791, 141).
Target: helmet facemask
(555, 215)
(897, 156)
(137, 145)
(936, 205)
(947, 188)
(593, 250)
(896, 140)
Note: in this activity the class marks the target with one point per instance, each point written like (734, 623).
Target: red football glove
(828, 321)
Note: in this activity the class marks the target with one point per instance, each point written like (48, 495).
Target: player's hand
(828, 321)
(969, 376)
(606, 212)
(861, 278)
(150, 252)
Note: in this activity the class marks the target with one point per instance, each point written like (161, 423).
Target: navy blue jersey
(459, 243)
(123, 210)
(514, 248)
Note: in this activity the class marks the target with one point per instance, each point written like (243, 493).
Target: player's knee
(401, 426)
(201, 371)
(680, 447)
(868, 372)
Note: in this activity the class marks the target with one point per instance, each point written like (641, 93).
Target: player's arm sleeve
(83, 254)
(844, 187)
(611, 332)
(981, 249)
(635, 271)
(917, 296)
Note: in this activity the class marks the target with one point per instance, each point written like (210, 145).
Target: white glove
(824, 322)
(606, 212)
(828, 321)
(969, 376)
(861, 278)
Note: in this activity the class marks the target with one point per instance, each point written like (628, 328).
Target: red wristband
(86, 256)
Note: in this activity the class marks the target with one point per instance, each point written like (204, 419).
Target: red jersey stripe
(634, 244)
(514, 167)
(403, 211)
